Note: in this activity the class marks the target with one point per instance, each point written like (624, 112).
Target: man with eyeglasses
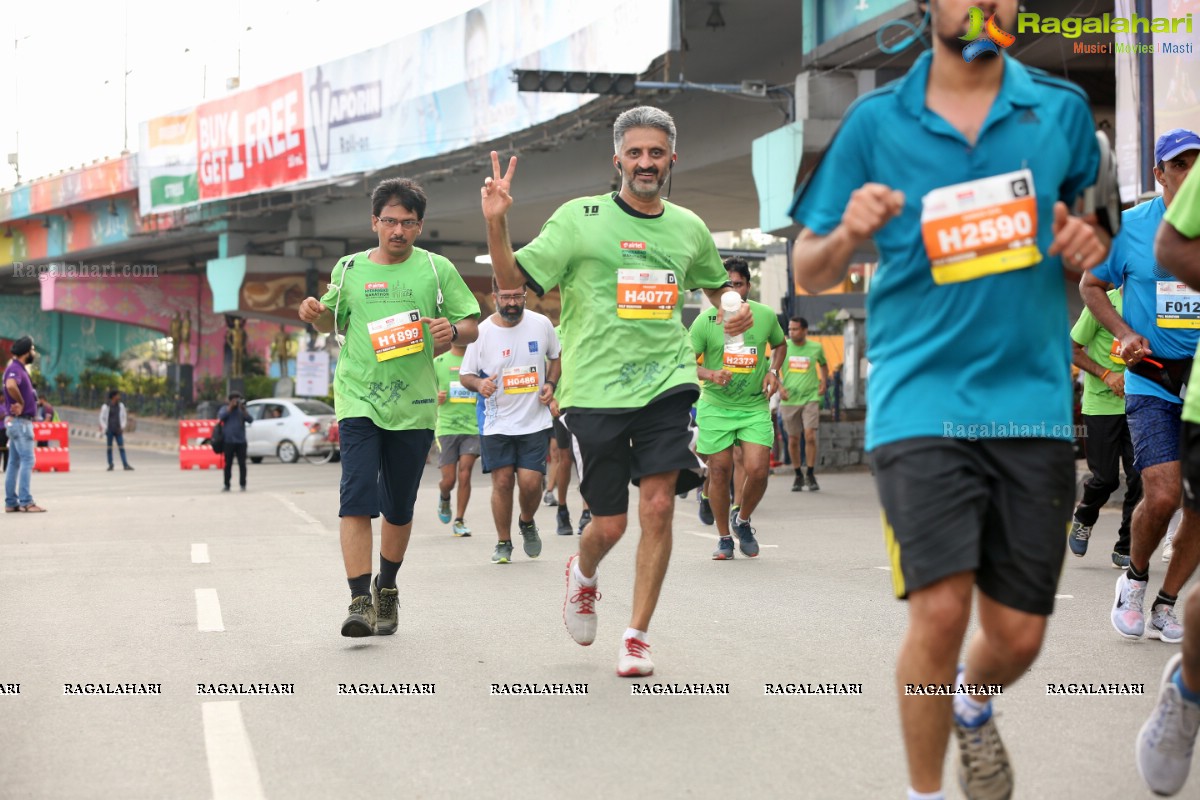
(735, 409)
(400, 306)
(514, 367)
(622, 262)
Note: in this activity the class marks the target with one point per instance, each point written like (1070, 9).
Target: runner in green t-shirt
(1109, 444)
(400, 306)
(799, 406)
(457, 435)
(735, 408)
(1164, 747)
(622, 263)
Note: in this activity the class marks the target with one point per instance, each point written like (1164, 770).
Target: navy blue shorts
(524, 451)
(1154, 428)
(381, 469)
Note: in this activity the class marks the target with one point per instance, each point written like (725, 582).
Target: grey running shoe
(549, 499)
(361, 621)
(564, 522)
(1164, 624)
(811, 481)
(1078, 537)
(1120, 560)
(706, 515)
(387, 603)
(745, 534)
(533, 542)
(799, 485)
(584, 519)
(724, 551)
(1166, 741)
(1128, 611)
(983, 769)
(503, 553)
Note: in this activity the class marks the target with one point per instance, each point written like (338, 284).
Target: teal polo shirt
(1148, 287)
(982, 358)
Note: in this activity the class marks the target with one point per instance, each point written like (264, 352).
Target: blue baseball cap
(1172, 143)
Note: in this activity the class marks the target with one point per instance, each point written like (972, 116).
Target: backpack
(217, 438)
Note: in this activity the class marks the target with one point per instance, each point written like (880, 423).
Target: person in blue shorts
(964, 174)
(1158, 335)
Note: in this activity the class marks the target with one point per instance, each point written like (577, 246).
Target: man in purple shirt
(20, 404)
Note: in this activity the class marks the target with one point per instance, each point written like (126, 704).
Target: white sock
(633, 633)
(740, 520)
(579, 576)
(913, 794)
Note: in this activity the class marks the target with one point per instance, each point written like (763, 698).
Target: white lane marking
(302, 514)
(208, 611)
(715, 536)
(199, 553)
(885, 569)
(1064, 597)
(231, 765)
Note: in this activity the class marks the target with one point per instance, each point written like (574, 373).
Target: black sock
(387, 572)
(458, 519)
(1164, 599)
(446, 498)
(360, 586)
(799, 472)
(1134, 575)
(810, 469)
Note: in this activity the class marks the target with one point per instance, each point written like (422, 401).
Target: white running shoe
(579, 608)
(635, 659)
(1166, 740)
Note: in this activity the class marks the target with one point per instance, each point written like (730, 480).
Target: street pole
(1145, 62)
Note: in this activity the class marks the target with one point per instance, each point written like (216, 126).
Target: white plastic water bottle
(731, 301)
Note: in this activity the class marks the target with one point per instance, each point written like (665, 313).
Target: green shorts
(721, 427)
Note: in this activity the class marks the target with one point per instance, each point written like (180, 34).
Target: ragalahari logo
(984, 38)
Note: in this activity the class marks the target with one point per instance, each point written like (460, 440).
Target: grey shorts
(455, 445)
(999, 508)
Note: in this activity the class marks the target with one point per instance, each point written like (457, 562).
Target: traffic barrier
(57, 457)
(194, 451)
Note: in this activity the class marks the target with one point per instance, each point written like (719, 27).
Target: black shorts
(1000, 508)
(524, 451)
(381, 469)
(1189, 463)
(562, 436)
(616, 448)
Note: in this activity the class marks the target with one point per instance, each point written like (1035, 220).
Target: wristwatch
(774, 372)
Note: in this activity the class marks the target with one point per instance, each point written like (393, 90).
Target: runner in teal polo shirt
(963, 175)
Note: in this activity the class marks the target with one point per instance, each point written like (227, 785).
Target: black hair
(404, 191)
(739, 265)
(113, 393)
(233, 395)
(801, 321)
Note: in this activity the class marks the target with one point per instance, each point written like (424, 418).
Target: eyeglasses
(509, 297)
(391, 222)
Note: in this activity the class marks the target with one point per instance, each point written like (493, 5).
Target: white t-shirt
(517, 359)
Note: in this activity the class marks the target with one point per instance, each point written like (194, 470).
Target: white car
(280, 425)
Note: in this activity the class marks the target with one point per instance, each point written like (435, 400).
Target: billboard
(433, 91)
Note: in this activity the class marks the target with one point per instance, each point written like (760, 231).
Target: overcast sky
(62, 62)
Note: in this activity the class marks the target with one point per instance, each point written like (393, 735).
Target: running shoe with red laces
(635, 659)
(579, 609)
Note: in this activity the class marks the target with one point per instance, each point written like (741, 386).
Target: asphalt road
(154, 577)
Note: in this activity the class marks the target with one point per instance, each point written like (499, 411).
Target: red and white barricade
(194, 450)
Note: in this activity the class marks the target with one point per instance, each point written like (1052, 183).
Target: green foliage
(104, 361)
(258, 386)
(210, 387)
(830, 324)
(252, 366)
(62, 382)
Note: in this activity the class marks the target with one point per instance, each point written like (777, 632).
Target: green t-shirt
(377, 308)
(1184, 216)
(457, 415)
(747, 363)
(801, 377)
(1098, 399)
(622, 279)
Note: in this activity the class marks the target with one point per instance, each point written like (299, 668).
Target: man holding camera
(234, 418)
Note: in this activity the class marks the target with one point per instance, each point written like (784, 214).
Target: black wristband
(552, 383)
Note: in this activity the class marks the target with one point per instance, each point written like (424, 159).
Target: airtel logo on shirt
(633, 245)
